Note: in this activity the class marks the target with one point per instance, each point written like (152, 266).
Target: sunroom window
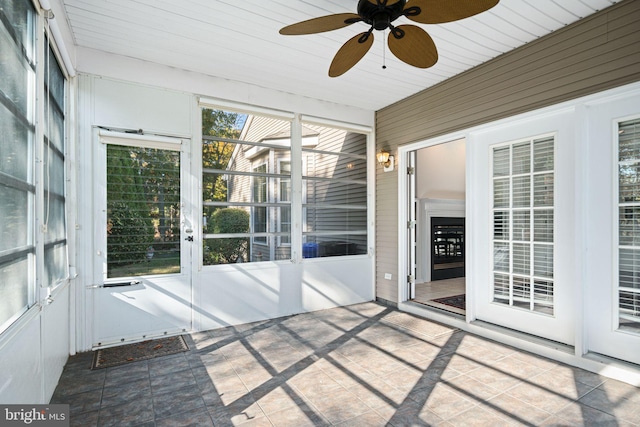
(248, 176)
(17, 156)
(241, 212)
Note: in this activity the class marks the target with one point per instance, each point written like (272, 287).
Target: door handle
(189, 238)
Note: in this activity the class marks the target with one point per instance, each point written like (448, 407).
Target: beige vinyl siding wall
(592, 55)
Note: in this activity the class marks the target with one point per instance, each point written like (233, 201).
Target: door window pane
(143, 211)
(523, 261)
(629, 225)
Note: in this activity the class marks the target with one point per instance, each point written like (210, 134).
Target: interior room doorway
(438, 197)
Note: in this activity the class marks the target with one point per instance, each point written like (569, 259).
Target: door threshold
(441, 308)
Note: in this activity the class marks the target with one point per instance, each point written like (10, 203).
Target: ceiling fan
(409, 43)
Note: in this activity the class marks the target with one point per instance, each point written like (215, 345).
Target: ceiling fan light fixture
(409, 43)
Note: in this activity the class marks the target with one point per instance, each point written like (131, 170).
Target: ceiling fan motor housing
(379, 14)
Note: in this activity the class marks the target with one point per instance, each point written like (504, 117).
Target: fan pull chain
(384, 51)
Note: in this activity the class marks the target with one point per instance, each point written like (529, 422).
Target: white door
(521, 231)
(144, 238)
(412, 225)
(612, 314)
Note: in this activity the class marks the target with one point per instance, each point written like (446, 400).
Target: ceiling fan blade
(350, 53)
(441, 11)
(415, 48)
(321, 24)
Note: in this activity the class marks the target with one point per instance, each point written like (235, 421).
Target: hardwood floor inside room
(427, 292)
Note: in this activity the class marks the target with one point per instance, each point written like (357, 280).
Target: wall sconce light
(385, 160)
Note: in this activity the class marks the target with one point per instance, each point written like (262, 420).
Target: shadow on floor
(361, 365)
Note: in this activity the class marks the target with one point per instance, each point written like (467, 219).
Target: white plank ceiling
(239, 41)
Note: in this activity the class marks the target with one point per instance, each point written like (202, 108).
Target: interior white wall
(440, 171)
(440, 190)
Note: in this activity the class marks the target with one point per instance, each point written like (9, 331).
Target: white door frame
(404, 214)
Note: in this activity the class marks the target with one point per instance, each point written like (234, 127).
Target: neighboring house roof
(309, 137)
(286, 134)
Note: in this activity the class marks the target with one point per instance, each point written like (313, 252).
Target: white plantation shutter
(523, 224)
(629, 224)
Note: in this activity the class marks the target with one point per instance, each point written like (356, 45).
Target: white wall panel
(55, 340)
(134, 106)
(119, 67)
(241, 293)
(20, 364)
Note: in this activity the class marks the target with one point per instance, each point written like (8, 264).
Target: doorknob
(189, 238)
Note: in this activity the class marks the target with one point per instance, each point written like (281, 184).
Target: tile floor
(362, 365)
(426, 292)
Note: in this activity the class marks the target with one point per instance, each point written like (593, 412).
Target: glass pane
(521, 191)
(501, 193)
(15, 146)
(629, 311)
(543, 225)
(543, 296)
(522, 226)
(17, 75)
(501, 257)
(54, 179)
(629, 140)
(629, 227)
(326, 246)
(543, 190)
(54, 128)
(143, 211)
(55, 220)
(16, 220)
(543, 155)
(629, 273)
(543, 261)
(629, 183)
(501, 225)
(14, 288)
(521, 258)
(521, 292)
(501, 161)
(55, 82)
(20, 15)
(334, 192)
(285, 226)
(521, 158)
(228, 251)
(501, 288)
(55, 263)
